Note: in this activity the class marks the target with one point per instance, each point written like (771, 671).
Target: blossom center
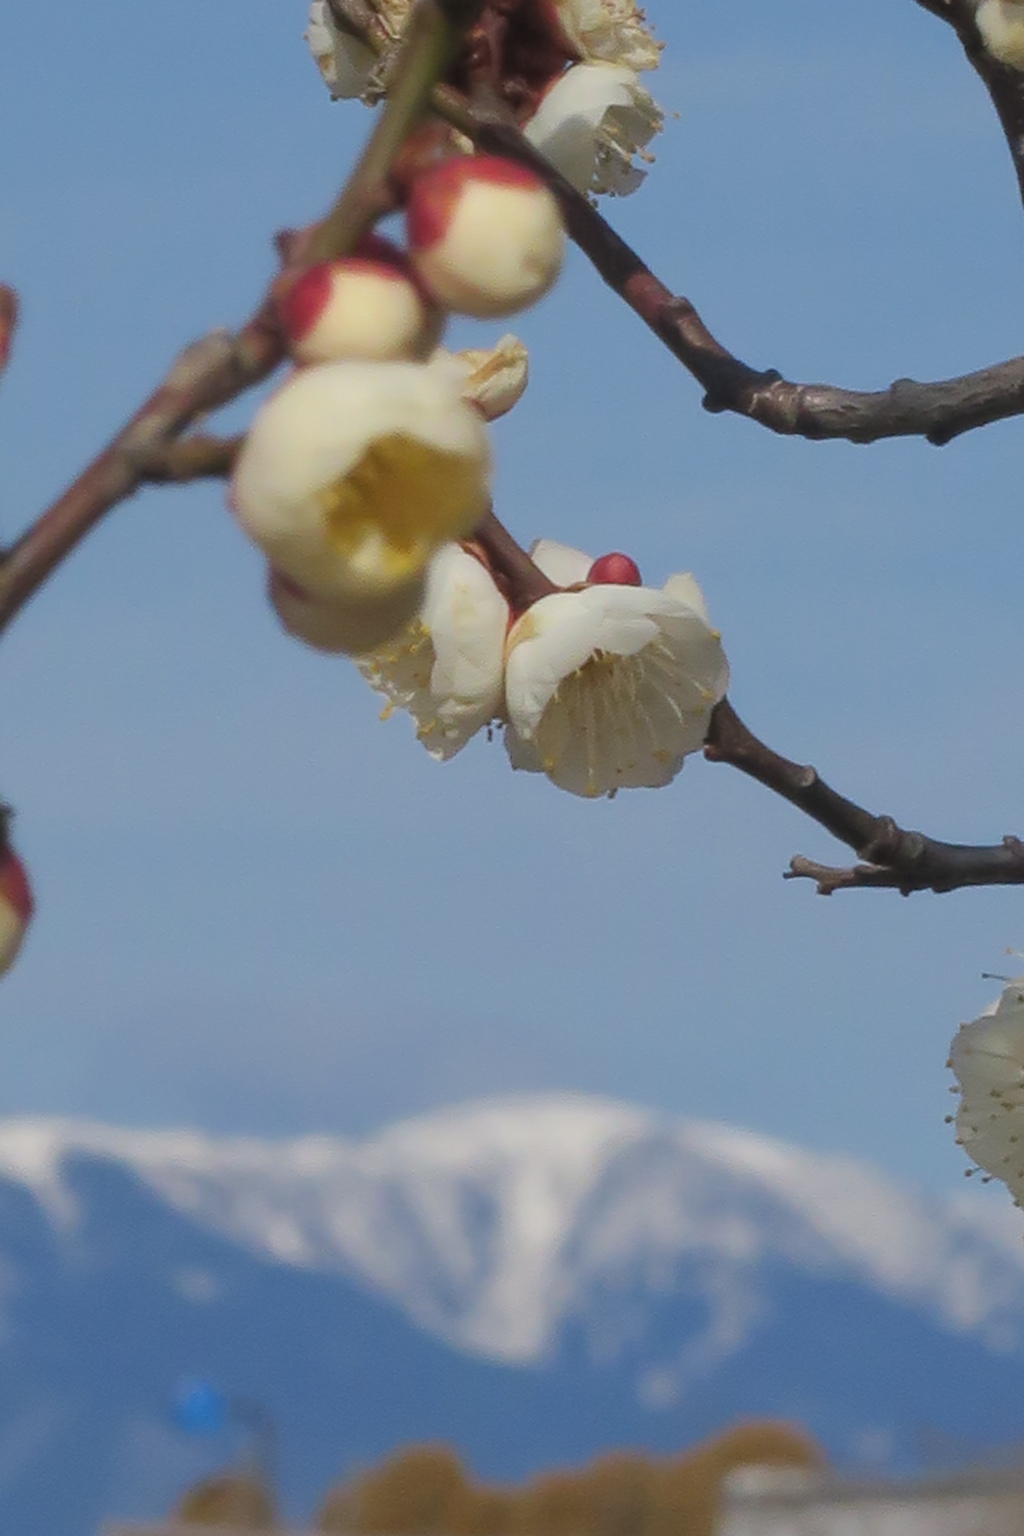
(401, 494)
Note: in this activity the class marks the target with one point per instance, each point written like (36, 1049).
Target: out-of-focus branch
(901, 860)
(199, 456)
(219, 367)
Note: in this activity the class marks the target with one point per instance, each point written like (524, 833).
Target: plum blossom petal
(987, 1058)
(445, 667)
(562, 564)
(610, 30)
(612, 687)
(344, 62)
(354, 473)
(491, 378)
(591, 122)
(1001, 24)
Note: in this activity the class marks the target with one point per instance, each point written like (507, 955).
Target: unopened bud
(491, 378)
(352, 627)
(359, 308)
(8, 322)
(615, 570)
(16, 904)
(485, 235)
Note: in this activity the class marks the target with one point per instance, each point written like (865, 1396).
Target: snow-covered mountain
(534, 1278)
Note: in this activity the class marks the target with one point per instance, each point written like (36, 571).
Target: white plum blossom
(446, 667)
(591, 122)
(610, 686)
(344, 62)
(1001, 24)
(354, 473)
(610, 30)
(491, 378)
(987, 1058)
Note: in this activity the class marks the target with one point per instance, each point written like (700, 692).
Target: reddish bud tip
(435, 194)
(16, 907)
(615, 570)
(301, 304)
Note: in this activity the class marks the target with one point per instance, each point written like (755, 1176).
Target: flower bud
(485, 235)
(353, 473)
(615, 570)
(491, 378)
(352, 627)
(16, 905)
(356, 307)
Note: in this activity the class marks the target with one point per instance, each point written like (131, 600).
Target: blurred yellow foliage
(425, 1491)
(231, 1499)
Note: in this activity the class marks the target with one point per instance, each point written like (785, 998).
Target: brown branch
(218, 368)
(936, 411)
(522, 582)
(893, 857)
(196, 457)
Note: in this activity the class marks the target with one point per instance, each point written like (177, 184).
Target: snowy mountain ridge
(495, 1224)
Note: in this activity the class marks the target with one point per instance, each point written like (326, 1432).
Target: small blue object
(199, 1408)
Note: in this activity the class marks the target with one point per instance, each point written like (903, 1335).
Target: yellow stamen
(400, 500)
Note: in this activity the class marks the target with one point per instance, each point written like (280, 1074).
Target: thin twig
(199, 456)
(893, 857)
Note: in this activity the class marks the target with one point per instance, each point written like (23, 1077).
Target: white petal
(612, 30)
(446, 668)
(987, 1057)
(613, 685)
(491, 378)
(591, 122)
(1001, 24)
(344, 62)
(683, 587)
(402, 432)
(562, 564)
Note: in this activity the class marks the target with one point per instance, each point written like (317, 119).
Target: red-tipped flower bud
(16, 903)
(485, 235)
(614, 570)
(358, 307)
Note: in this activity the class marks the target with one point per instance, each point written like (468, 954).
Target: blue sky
(262, 910)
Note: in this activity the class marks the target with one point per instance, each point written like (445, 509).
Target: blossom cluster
(581, 100)
(987, 1058)
(364, 477)
(604, 684)
(373, 453)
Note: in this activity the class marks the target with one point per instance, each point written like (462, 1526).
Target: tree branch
(522, 582)
(902, 860)
(219, 367)
(936, 411)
